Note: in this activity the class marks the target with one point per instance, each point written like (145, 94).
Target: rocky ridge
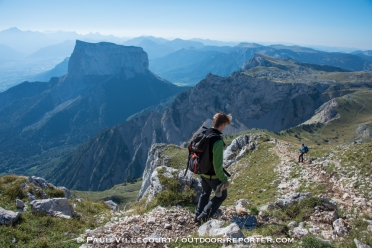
(325, 222)
(267, 103)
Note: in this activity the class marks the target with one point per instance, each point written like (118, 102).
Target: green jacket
(218, 162)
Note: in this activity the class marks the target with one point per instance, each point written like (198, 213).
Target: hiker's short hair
(221, 118)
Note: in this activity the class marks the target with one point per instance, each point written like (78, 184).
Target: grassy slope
(39, 230)
(354, 109)
(120, 194)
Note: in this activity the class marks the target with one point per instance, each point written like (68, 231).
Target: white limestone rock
(20, 204)
(360, 244)
(213, 228)
(58, 207)
(341, 227)
(8, 217)
(112, 205)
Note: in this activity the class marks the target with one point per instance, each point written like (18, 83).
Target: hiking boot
(201, 219)
(196, 219)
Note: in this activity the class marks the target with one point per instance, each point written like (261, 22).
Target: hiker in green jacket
(215, 176)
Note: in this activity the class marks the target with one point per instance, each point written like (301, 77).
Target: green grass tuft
(311, 242)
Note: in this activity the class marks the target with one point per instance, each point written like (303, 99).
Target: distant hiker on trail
(215, 178)
(304, 149)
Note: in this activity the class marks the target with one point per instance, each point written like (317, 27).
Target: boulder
(67, 192)
(20, 204)
(239, 142)
(330, 205)
(292, 224)
(38, 182)
(231, 231)
(294, 198)
(341, 227)
(327, 217)
(112, 205)
(8, 217)
(206, 228)
(58, 207)
(360, 244)
(31, 196)
(213, 228)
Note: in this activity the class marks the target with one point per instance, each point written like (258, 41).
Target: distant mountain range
(105, 84)
(268, 93)
(189, 66)
(26, 54)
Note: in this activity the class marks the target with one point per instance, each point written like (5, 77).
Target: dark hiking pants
(207, 208)
(301, 157)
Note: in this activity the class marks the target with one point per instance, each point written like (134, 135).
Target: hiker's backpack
(306, 149)
(199, 161)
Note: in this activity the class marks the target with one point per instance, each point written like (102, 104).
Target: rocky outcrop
(325, 113)
(155, 186)
(106, 59)
(364, 131)
(153, 161)
(360, 244)
(283, 203)
(112, 205)
(40, 185)
(341, 227)
(8, 217)
(20, 204)
(58, 207)
(238, 148)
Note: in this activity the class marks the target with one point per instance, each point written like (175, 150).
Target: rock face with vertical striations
(107, 59)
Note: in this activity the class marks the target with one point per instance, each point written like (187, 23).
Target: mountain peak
(106, 59)
(258, 60)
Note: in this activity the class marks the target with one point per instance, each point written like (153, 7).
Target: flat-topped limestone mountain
(106, 59)
(104, 85)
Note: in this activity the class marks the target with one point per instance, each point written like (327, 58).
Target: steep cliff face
(105, 84)
(106, 59)
(254, 103)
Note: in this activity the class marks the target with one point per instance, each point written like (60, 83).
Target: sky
(341, 23)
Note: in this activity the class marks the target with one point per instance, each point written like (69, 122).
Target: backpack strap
(227, 174)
